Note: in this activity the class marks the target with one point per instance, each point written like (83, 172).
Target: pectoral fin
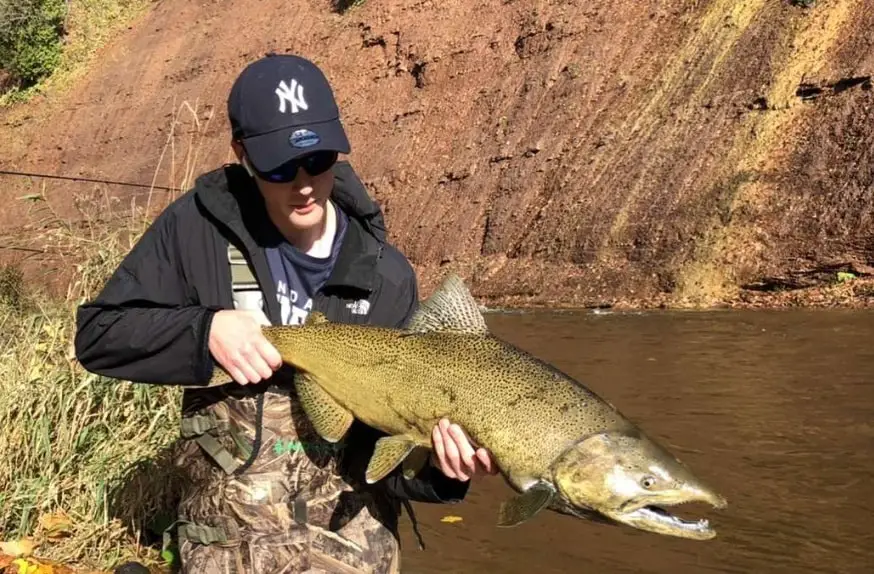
(415, 461)
(390, 451)
(524, 506)
(328, 417)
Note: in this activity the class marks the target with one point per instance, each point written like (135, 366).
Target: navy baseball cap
(282, 107)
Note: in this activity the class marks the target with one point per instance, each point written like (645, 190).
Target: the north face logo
(360, 307)
(291, 96)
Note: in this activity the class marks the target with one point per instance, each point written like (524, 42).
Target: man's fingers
(247, 360)
(253, 353)
(241, 362)
(440, 451)
(486, 460)
(237, 374)
(465, 450)
(453, 457)
(261, 366)
(270, 354)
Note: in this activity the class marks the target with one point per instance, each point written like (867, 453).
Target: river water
(774, 408)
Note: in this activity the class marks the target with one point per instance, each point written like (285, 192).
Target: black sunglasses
(315, 163)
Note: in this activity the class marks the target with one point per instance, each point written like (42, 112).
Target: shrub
(31, 39)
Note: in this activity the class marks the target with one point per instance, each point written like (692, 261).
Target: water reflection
(774, 409)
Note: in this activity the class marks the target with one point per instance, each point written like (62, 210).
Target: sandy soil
(582, 152)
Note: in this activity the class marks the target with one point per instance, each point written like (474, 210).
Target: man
(286, 231)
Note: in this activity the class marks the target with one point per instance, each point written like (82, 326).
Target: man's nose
(303, 182)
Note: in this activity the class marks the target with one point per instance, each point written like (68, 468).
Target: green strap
(219, 454)
(195, 425)
(242, 278)
(202, 534)
(199, 533)
(246, 293)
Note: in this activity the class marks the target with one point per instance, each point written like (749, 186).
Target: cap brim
(269, 151)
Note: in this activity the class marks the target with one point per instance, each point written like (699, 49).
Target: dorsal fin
(450, 308)
(316, 318)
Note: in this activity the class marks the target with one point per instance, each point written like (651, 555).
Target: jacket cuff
(450, 490)
(205, 363)
(444, 489)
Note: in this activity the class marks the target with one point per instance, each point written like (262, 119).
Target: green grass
(89, 24)
(78, 449)
(92, 448)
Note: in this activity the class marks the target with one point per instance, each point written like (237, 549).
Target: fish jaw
(628, 479)
(654, 516)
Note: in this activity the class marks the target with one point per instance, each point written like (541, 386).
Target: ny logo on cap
(292, 95)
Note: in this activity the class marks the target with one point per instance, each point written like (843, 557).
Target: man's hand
(456, 456)
(236, 342)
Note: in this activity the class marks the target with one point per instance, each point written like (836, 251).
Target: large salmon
(558, 444)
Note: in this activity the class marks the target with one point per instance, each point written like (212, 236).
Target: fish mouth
(657, 519)
(655, 515)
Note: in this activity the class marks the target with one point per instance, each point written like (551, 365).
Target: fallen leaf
(16, 548)
(56, 524)
(451, 519)
(30, 566)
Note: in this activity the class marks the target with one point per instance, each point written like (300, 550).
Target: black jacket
(150, 323)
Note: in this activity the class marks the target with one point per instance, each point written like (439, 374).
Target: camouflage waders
(290, 508)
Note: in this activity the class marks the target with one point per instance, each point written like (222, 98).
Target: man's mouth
(304, 209)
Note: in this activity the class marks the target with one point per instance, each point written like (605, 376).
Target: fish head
(629, 479)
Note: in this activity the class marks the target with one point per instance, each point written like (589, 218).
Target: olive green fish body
(557, 443)
(523, 410)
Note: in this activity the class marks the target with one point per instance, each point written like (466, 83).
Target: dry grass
(70, 440)
(84, 451)
(75, 443)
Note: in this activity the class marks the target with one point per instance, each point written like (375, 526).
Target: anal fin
(328, 417)
(390, 451)
(524, 506)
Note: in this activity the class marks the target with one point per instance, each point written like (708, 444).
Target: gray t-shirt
(298, 276)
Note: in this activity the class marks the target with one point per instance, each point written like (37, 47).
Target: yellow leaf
(56, 524)
(451, 519)
(23, 566)
(23, 547)
(32, 567)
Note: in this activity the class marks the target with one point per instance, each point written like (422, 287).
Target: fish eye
(648, 482)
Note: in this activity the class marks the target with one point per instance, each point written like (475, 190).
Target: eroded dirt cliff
(552, 152)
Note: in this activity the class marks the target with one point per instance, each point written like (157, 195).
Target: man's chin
(305, 218)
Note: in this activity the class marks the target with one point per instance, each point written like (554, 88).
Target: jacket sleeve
(144, 325)
(430, 485)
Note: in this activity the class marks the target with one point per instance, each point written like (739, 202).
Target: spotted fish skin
(523, 411)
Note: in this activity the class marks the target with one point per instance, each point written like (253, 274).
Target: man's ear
(237, 146)
(241, 156)
(245, 161)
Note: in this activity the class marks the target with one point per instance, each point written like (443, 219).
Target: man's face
(300, 204)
